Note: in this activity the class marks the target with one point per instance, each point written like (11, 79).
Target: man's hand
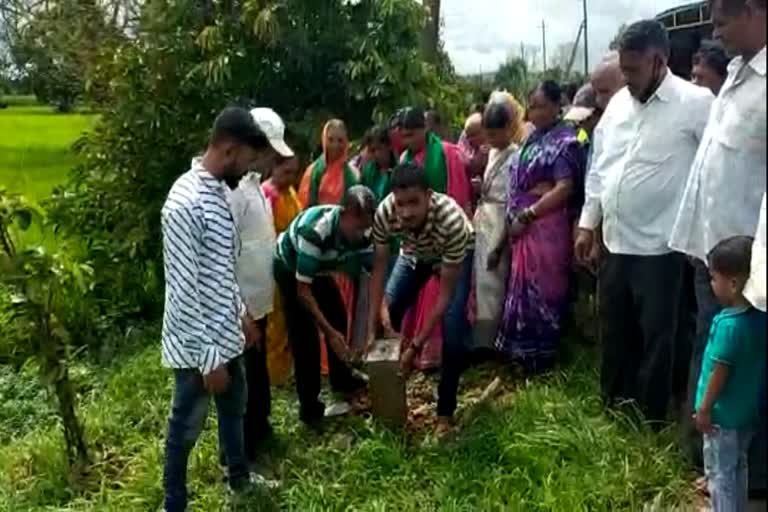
(703, 421)
(217, 381)
(407, 361)
(338, 344)
(386, 321)
(583, 247)
(516, 228)
(254, 337)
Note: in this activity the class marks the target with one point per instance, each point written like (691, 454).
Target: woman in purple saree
(538, 235)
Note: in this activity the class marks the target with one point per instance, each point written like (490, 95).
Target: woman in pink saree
(446, 171)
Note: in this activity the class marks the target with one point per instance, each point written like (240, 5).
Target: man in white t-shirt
(252, 214)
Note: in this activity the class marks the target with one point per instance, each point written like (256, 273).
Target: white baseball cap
(584, 105)
(274, 128)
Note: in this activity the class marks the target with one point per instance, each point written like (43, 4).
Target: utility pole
(586, 39)
(544, 42)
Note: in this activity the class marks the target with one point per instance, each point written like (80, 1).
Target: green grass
(548, 446)
(35, 148)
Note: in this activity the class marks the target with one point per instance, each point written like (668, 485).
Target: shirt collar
(338, 240)
(430, 214)
(665, 89)
(202, 172)
(737, 311)
(757, 63)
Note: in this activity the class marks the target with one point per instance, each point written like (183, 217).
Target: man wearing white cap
(252, 214)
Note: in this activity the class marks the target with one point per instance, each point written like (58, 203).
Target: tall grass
(546, 447)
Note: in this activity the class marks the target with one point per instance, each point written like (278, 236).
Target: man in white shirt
(755, 291)
(727, 181)
(253, 219)
(647, 139)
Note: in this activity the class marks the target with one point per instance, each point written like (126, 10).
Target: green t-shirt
(737, 339)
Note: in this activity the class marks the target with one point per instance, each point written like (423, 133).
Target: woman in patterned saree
(538, 235)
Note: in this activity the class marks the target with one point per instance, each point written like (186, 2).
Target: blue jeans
(188, 414)
(725, 464)
(403, 286)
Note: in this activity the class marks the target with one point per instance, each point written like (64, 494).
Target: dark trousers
(305, 342)
(685, 341)
(188, 414)
(256, 425)
(708, 308)
(403, 288)
(639, 315)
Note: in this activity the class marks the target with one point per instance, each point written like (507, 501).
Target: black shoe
(311, 415)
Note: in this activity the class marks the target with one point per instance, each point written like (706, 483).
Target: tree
(58, 46)
(432, 29)
(513, 75)
(41, 285)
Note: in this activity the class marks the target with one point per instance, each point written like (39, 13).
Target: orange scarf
(334, 180)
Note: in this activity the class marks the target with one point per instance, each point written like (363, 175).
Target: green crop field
(35, 146)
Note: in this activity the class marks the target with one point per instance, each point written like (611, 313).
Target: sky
(480, 34)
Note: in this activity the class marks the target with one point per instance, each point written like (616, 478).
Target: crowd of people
(651, 185)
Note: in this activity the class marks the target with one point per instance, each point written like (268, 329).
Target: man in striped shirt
(436, 236)
(322, 240)
(202, 336)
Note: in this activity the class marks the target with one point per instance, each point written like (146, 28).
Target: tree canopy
(308, 60)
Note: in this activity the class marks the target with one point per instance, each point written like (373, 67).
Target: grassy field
(35, 147)
(542, 445)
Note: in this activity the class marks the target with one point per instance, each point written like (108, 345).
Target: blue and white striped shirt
(202, 322)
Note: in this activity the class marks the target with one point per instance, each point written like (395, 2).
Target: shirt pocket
(660, 144)
(743, 129)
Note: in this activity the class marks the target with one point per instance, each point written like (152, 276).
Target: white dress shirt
(727, 182)
(201, 322)
(253, 218)
(643, 155)
(755, 290)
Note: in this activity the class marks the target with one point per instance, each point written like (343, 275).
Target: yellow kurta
(285, 207)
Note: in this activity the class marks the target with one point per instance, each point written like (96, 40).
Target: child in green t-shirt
(732, 377)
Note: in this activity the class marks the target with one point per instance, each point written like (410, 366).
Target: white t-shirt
(253, 218)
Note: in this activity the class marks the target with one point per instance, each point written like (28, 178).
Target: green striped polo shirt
(312, 245)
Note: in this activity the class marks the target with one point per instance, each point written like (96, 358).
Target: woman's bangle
(526, 216)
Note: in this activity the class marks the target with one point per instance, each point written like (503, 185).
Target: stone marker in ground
(386, 384)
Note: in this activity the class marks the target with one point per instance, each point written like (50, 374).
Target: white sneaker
(339, 408)
(259, 481)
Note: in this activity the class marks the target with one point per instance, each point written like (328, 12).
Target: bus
(687, 25)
